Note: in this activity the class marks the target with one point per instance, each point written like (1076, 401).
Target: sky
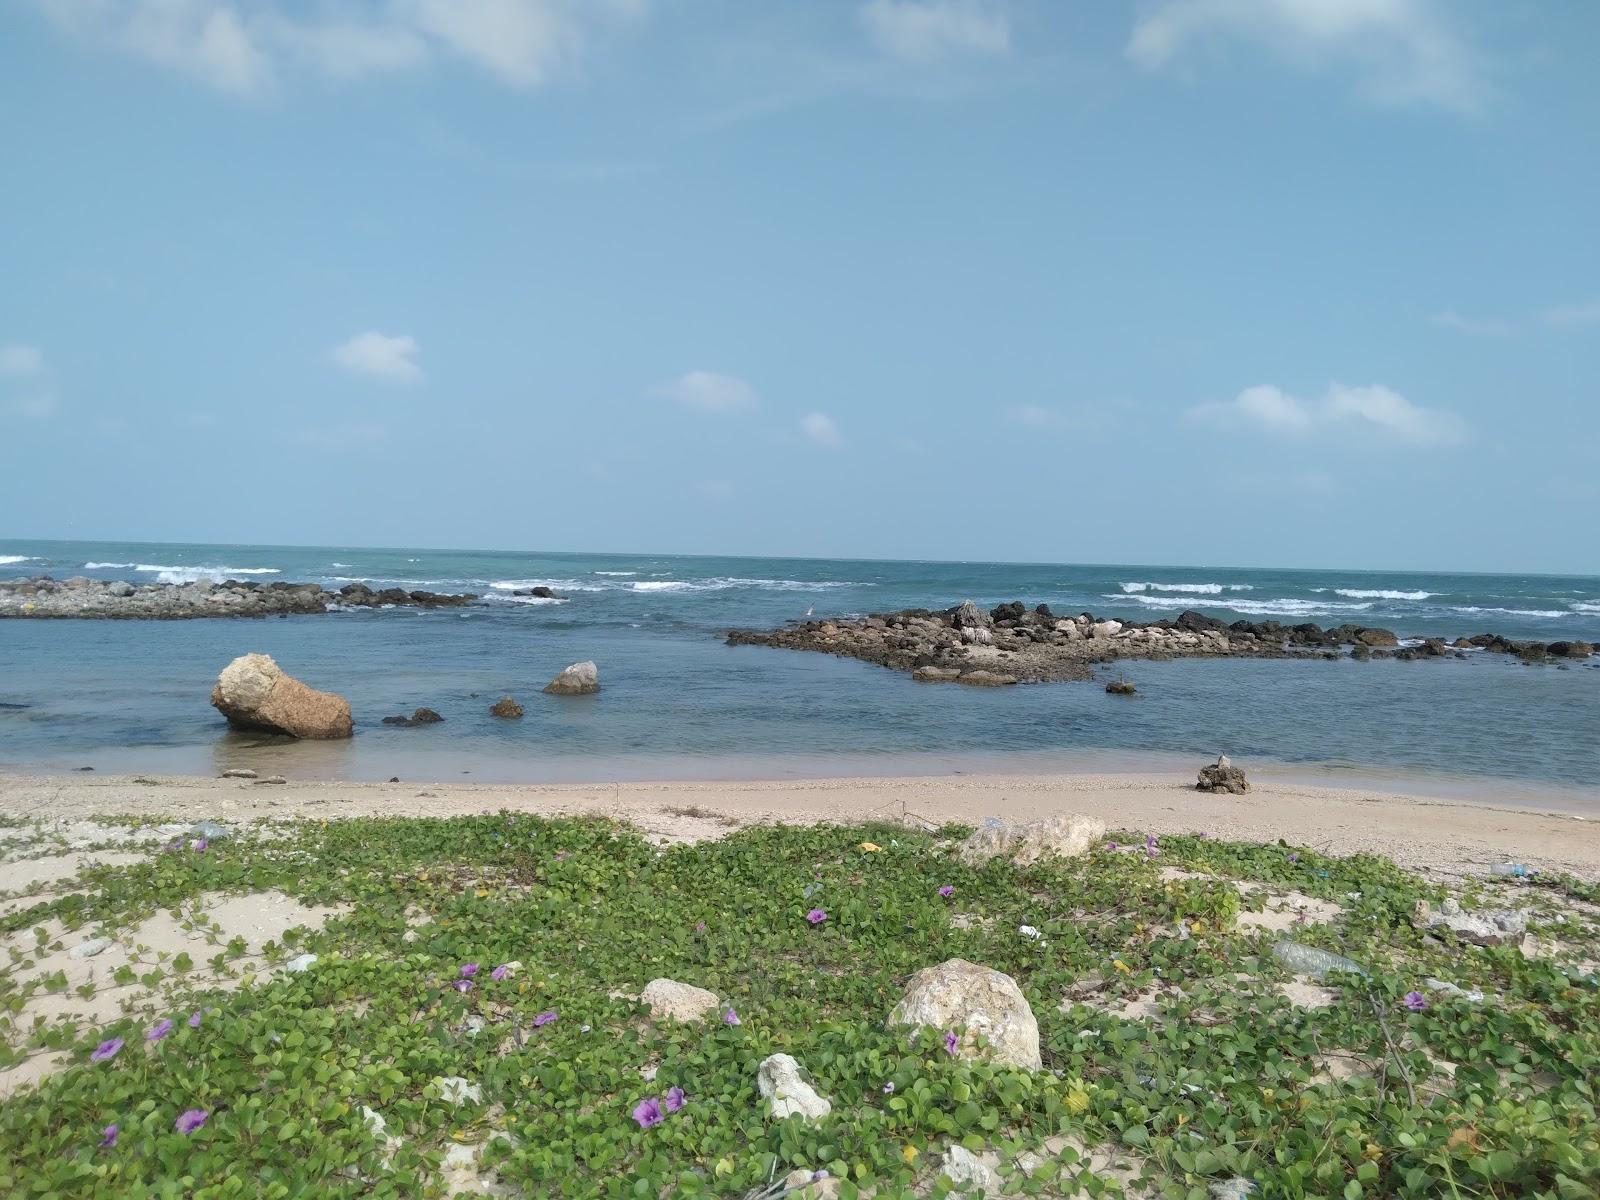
(1222, 282)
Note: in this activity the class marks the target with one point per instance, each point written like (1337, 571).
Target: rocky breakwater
(1015, 644)
(44, 597)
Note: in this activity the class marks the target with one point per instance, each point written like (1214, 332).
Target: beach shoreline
(1444, 837)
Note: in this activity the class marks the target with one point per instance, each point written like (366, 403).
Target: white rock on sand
(1065, 835)
(680, 1001)
(778, 1080)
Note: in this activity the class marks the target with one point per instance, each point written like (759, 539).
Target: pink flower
(947, 891)
(190, 1120)
(816, 916)
(468, 970)
(730, 1018)
(1111, 845)
(648, 1113)
(544, 1018)
(158, 1031)
(1415, 1001)
(951, 1041)
(194, 1020)
(108, 1137)
(500, 972)
(674, 1100)
(462, 985)
(106, 1050)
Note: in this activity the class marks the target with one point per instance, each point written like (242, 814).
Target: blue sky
(1256, 282)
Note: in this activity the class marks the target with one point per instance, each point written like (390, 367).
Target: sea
(678, 703)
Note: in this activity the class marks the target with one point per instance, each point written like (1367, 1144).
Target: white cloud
(710, 392)
(246, 46)
(381, 356)
(17, 359)
(926, 30)
(1574, 314)
(821, 429)
(1476, 326)
(1403, 51)
(1374, 411)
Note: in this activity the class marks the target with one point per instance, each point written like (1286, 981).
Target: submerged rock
(973, 1000)
(254, 693)
(506, 707)
(421, 716)
(1222, 777)
(580, 679)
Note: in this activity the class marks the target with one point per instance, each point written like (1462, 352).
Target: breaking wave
(1198, 589)
(1519, 612)
(7, 559)
(1587, 607)
(1381, 594)
(1283, 607)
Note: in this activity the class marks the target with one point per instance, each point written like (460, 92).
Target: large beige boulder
(967, 1000)
(577, 680)
(1065, 835)
(787, 1094)
(680, 1001)
(254, 693)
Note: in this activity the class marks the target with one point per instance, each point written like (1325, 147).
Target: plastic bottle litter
(1510, 870)
(1450, 989)
(210, 830)
(1312, 961)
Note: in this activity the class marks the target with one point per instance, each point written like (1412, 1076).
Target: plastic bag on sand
(1311, 961)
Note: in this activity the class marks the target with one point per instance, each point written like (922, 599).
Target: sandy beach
(1445, 838)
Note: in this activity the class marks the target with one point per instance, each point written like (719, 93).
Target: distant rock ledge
(44, 598)
(1015, 644)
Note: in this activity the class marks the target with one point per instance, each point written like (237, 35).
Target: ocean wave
(724, 584)
(196, 574)
(1381, 594)
(1587, 607)
(7, 559)
(346, 565)
(1283, 607)
(560, 585)
(502, 599)
(1197, 589)
(613, 572)
(1516, 612)
(107, 566)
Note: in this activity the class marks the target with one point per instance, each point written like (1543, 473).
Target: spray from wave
(1196, 589)
(1381, 594)
(1284, 607)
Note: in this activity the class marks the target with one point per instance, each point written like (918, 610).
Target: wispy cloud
(380, 356)
(927, 30)
(820, 429)
(247, 47)
(1401, 51)
(17, 359)
(709, 391)
(1574, 314)
(1475, 326)
(1375, 411)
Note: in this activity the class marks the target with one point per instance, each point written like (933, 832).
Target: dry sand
(1444, 837)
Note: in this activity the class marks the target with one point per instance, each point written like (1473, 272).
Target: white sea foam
(560, 585)
(107, 566)
(613, 572)
(723, 584)
(502, 599)
(338, 564)
(1197, 589)
(7, 559)
(1587, 607)
(195, 574)
(1381, 594)
(1516, 612)
(1284, 607)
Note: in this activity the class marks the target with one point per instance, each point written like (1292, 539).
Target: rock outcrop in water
(44, 597)
(254, 693)
(579, 679)
(1014, 644)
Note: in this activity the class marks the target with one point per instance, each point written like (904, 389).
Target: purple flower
(1294, 858)
(1415, 1001)
(106, 1050)
(730, 1018)
(158, 1031)
(462, 985)
(951, 1041)
(562, 857)
(648, 1113)
(675, 1099)
(194, 1020)
(816, 916)
(1202, 835)
(468, 970)
(699, 926)
(108, 1137)
(888, 1088)
(200, 845)
(1111, 845)
(818, 1175)
(947, 891)
(500, 972)
(190, 1120)
(544, 1018)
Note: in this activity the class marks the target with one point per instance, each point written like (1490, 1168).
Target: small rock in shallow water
(580, 679)
(506, 707)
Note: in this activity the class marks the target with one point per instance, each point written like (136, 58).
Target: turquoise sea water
(677, 702)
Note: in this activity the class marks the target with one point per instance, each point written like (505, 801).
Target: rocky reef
(44, 597)
(1015, 644)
